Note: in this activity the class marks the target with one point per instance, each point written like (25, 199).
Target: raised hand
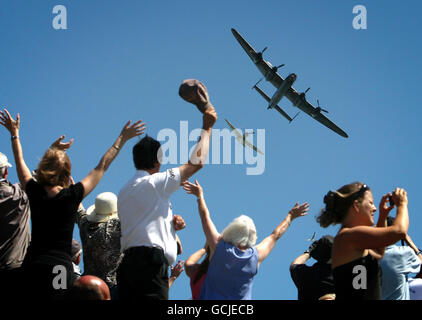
(399, 197)
(71, 180)
(194, 189)
(384, 207)
(209, 118)
(177, 269)
(299, 210)
(58, 144)
(134, 130)
(178, 222)
(9, 123)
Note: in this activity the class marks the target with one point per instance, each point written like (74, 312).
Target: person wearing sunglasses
(359, 245)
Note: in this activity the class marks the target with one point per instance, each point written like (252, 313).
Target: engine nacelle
(299, 100)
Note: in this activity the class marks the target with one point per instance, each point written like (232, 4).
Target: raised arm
(200, 98)
(192, 262)
(265, 246)
(127, 133)
(306, 255)
(301, 259)
(365, 237)
(175, 272)
(411, 244)
(382, 223)
(210, 231)
(24, 174)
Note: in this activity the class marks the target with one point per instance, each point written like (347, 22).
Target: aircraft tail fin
(283, 113)
(267, 98)
(295, 116)
(262, 93)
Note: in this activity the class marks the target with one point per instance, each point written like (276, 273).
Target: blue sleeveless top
(230, 273)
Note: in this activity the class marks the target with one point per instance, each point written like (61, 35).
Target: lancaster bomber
(284, 88)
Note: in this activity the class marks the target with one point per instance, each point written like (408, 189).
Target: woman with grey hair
(234, 257)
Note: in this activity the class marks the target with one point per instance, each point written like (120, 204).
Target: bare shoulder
(346, 234)
(343, 251)
(340, 242)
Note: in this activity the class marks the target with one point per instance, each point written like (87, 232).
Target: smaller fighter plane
(241, 138)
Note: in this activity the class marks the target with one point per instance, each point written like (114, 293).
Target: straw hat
(104, 209)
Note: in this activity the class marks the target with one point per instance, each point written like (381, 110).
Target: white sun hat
(104, 209)
(3, 161)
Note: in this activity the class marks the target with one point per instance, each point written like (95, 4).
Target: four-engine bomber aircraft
(284, 88)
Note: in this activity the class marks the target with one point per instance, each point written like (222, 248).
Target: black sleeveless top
(359, 279)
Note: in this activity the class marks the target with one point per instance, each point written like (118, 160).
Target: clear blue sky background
(121, 60)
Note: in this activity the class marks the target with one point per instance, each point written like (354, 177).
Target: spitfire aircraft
(284, 88)
(241, 138)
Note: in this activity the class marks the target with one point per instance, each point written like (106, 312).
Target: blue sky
(121, 60)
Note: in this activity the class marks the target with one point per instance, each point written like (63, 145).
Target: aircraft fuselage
(282, 90)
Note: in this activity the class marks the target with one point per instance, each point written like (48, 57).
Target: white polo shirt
(145, 214)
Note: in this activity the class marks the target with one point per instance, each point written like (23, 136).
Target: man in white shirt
(148, 237)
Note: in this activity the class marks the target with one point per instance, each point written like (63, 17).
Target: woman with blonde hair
(358, 246)
(234, 258)
(54, 201)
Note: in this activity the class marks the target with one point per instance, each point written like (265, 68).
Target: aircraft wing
(261, 64)
(308, 108)
(253, 147)
(276, 80)
(236, 131)
(239, 137)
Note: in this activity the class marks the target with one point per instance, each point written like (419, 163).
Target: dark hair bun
(328, 216)
(329, 200)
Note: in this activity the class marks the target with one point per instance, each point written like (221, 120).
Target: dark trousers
(11, 282)
(143, 274)
(39, 279)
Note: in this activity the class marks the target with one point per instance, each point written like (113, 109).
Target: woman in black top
(54, 201)
(358, 246)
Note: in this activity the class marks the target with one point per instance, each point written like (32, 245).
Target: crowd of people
(129, 241)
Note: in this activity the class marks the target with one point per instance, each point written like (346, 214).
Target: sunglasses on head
(361, 191)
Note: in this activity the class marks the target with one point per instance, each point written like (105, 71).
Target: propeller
(303, 94)
(319, 109)
(260, 53)
(275, 69)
